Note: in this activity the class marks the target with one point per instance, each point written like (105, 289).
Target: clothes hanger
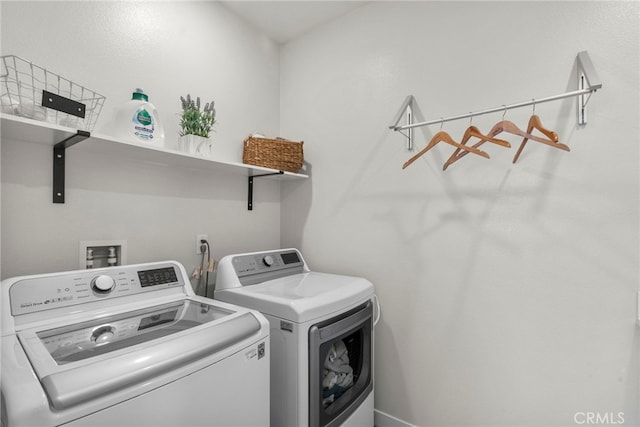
(501, 126)
(473, 131)
(512, 128)
(535, 123)
(443, 136)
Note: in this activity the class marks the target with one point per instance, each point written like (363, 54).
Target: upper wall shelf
(23, 129)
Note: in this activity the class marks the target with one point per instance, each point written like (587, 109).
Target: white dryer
(321, 336)
(130, 345)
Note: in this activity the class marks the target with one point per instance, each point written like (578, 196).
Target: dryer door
(340, 365)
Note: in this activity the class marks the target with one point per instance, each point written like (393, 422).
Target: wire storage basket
(29, 90)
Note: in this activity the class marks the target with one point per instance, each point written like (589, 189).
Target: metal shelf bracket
(250, 194)
(59, 153)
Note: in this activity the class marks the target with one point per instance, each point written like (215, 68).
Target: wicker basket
(277, 154)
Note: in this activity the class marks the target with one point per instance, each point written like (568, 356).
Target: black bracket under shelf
(59, 160)
(250, 197)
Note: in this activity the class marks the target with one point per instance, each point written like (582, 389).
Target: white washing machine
(130, 345)
(321, 336)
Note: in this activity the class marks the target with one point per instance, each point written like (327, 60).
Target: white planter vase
(196, 145)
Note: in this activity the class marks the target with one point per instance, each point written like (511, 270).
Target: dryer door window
(340, 365)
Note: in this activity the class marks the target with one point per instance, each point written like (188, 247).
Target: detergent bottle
(139, 121)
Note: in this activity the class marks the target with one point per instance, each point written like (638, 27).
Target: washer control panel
(44, 292)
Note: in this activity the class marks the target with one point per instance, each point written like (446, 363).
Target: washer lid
(301, 297)
(81, 362)
(92, 338)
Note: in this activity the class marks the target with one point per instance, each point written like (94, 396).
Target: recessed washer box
(102, 253)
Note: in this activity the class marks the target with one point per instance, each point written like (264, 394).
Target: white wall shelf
(61, 138)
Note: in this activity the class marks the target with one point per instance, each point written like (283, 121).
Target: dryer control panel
(259, 267)
(37, 293)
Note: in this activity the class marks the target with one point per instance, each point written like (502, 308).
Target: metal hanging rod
(496, 109)
(588, 82)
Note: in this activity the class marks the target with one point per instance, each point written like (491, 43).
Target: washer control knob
(103, 283)
(103, 334)
(268, 260)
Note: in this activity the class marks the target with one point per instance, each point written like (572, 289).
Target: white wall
(169, 49)
(508, 291)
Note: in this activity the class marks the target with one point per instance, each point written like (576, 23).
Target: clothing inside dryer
(341, 367)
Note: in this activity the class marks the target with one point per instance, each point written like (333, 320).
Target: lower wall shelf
(28, 130)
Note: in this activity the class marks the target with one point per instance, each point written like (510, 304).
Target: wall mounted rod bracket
(587, 79)
(59, 154)
(250, 192)
(406, 110)
(588, 82)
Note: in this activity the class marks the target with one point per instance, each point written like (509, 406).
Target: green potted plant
(195, 126)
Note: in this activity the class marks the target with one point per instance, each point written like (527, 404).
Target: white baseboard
(380, 419)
